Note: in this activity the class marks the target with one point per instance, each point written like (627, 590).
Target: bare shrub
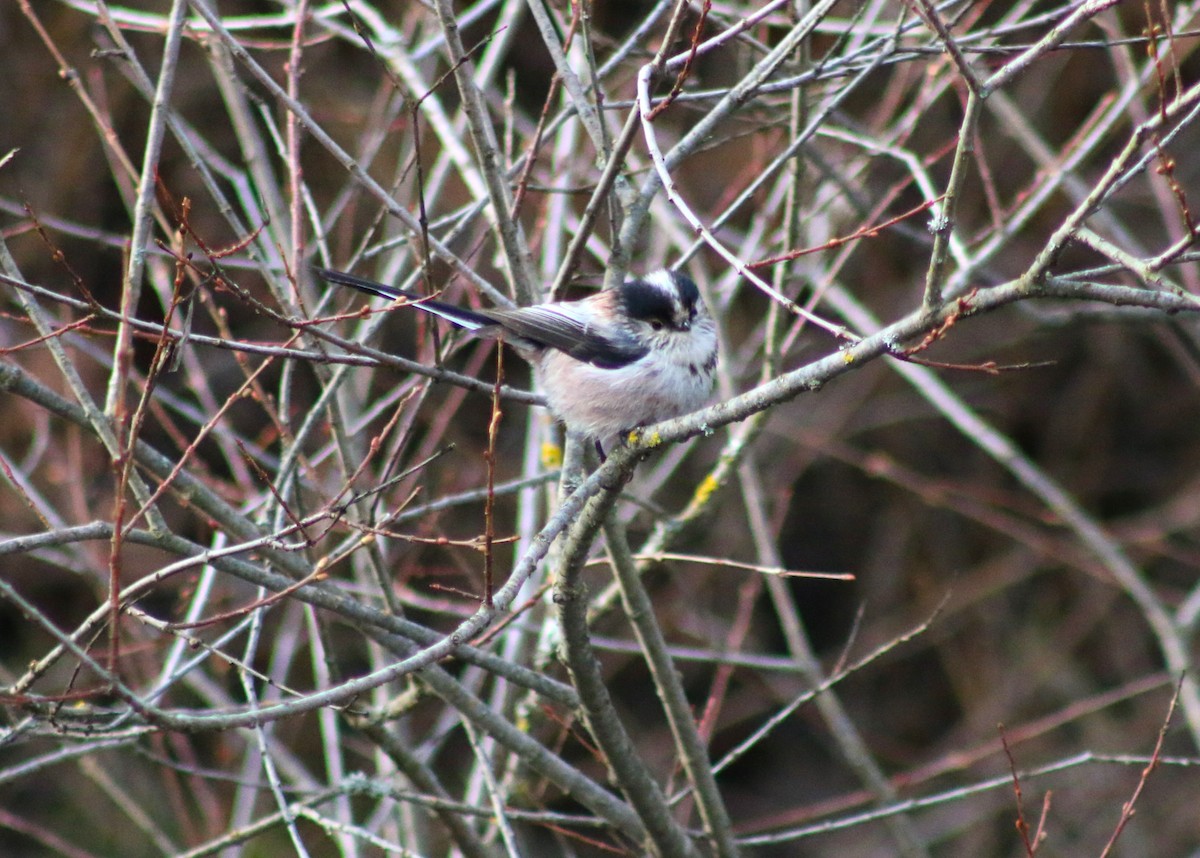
(287, 568)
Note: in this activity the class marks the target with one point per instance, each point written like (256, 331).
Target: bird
(622, 358)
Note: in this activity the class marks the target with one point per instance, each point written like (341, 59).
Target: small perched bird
(625, 357)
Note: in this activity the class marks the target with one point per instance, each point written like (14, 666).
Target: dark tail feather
(371, 287)
(464, 318)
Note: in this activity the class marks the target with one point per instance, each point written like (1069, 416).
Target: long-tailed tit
(625, 357)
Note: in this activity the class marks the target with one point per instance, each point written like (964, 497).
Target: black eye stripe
(646, 302)
(643, 301)
(689, 294)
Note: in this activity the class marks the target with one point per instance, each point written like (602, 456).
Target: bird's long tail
(464, 318)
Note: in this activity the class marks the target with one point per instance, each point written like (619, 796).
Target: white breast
(675, 378)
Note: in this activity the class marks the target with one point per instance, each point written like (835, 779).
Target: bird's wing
(555, 326)
(464, 318)
(559, 326)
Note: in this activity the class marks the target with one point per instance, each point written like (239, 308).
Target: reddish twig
(838, 241)
(319, 573)
(1127, 809)
(677, 87)
(489, 455)
(1022, 826)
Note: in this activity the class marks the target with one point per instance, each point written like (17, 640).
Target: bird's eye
(656, 324)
